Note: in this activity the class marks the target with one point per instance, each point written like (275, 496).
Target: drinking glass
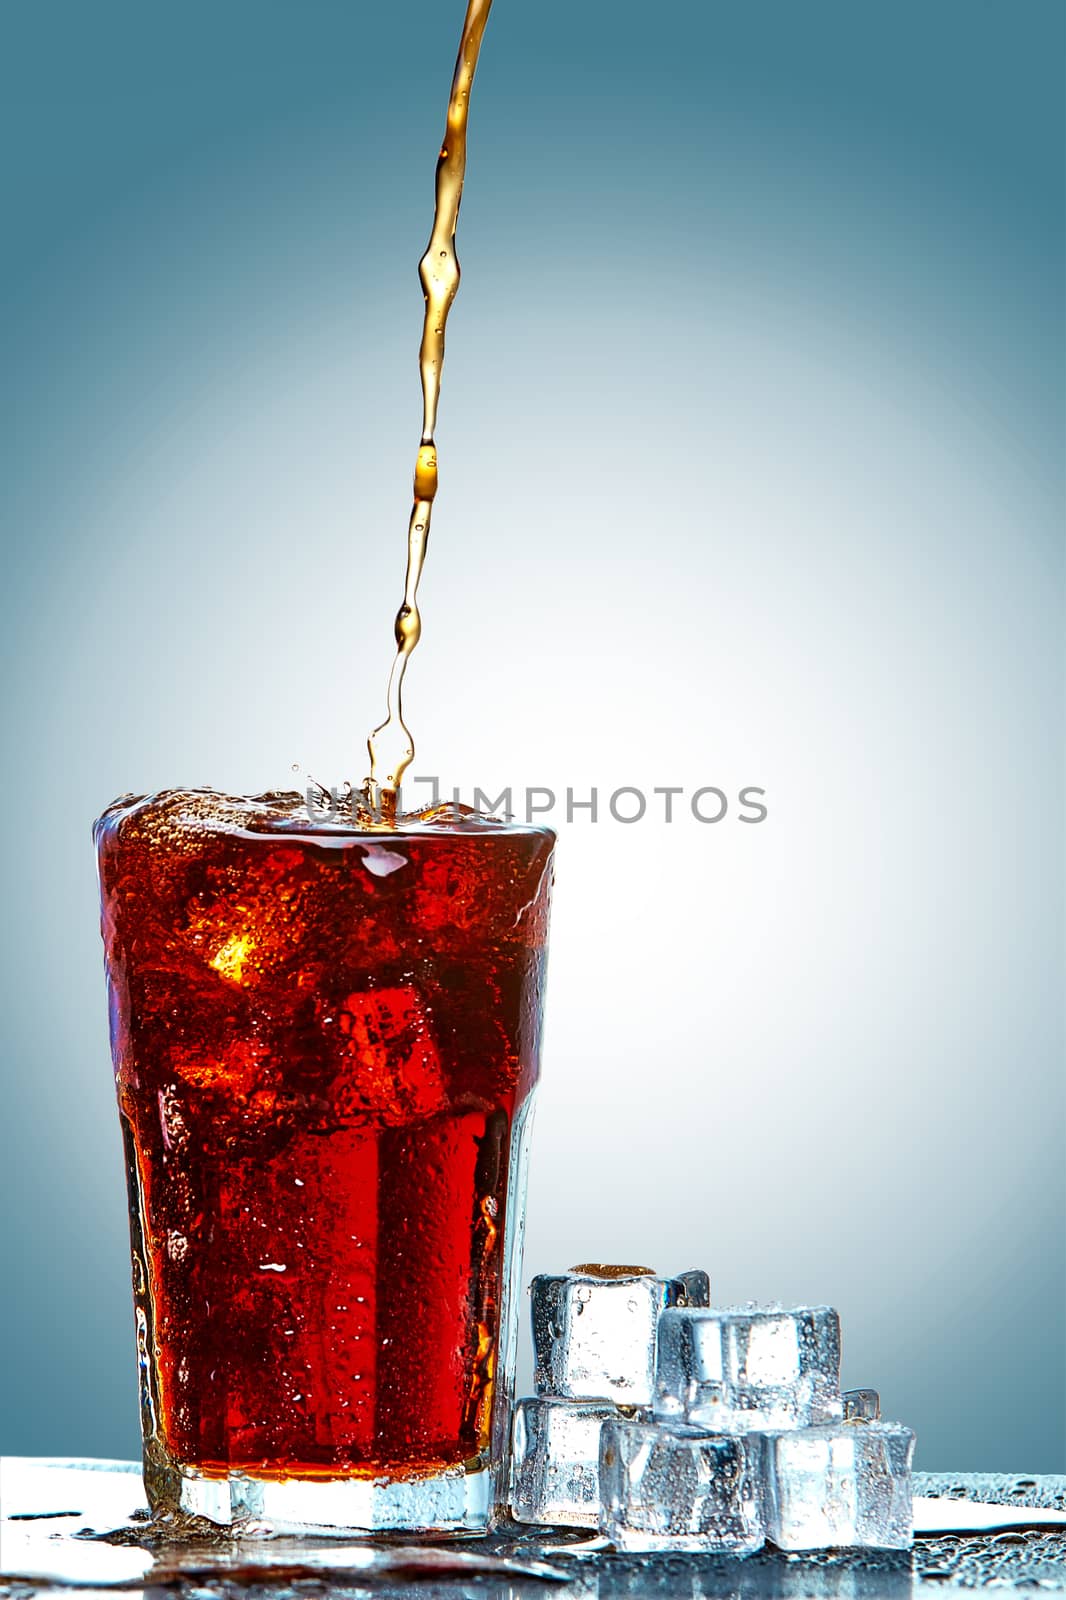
(326, 1044)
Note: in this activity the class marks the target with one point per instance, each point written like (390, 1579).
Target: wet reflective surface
(84, 1525)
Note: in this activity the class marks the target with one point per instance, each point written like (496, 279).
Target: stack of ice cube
(670, 1425)
(594, 1332)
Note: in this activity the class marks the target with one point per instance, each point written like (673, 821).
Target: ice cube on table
(697, 1287)
(670, 1488)
(747, 1369)
(861, 1405)
(844, 1486)
(555, 1461)
(594, 1332)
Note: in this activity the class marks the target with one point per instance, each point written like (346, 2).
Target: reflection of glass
(325, 1043)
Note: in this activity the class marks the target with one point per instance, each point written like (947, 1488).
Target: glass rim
(289, 815)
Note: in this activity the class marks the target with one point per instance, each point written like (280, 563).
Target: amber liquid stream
(391, 745)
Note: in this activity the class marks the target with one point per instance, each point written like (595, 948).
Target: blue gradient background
(791, 279)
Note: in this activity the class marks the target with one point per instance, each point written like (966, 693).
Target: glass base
(458, 1503)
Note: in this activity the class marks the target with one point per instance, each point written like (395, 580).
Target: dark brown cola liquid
(323, 1041)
